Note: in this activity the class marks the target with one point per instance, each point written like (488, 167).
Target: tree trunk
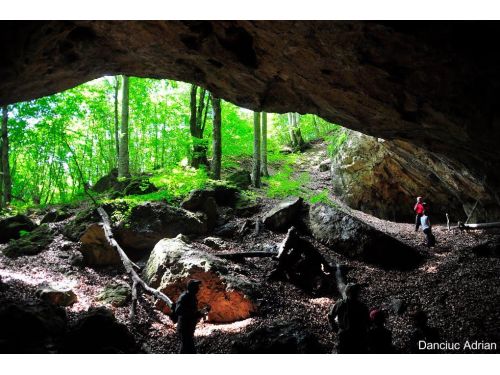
(197, 126)
(7, 182)
(256, 150)
(117, 119)
(263, 167)
(217, 141)
(295, 134)
(123, 161)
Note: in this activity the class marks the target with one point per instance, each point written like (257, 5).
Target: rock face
(432, 85)
(230, 294)
(284, 338)
(384, 178)
(12, 227)
(283, 215)
(349, 236)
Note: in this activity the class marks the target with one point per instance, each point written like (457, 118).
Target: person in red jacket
(419, 210)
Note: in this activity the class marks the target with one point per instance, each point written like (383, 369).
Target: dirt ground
(459, 289)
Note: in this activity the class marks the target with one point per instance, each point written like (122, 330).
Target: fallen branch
(137, 282)
(247, 254)
(482, 225)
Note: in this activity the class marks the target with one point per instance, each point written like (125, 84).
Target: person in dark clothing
(188, 315)
(349, 317)
(419, 210)
(379, 338)
(422, 333)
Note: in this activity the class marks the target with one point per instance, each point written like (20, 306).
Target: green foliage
(335, 140)
(53, 138)
(285, 183)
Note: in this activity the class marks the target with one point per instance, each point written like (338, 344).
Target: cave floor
(458, 289)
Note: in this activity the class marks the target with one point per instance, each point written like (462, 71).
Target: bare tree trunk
(217, 139)
(256, 150)
(117, 120)
(123, 161)
(7, 181)
(295, 134)
(263, 167)
(197, 126)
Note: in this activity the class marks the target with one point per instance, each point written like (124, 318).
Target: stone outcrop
(231, 295)
(383, 178)
(240, 179)
(349, 236)
(282, 216)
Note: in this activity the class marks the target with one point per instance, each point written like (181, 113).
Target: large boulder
(278, 338)
(12, 227)
(148, 223)
(30, 243)
(30, 328)
(96, 249)
(223, 194)
(55, 215)
(98, 331)
(136, 185)
(348, 235)
(230, 294)
(241, 179)
(282, 216)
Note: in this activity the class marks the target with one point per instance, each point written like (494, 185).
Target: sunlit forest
(62, 144)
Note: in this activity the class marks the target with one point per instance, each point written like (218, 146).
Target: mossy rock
(139, 186)
(13, 227)
(31, 243)
(116, 294)
(55, 215)
(240, 179)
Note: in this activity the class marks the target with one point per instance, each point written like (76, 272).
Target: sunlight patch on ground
(206, 329)
(37, 277)
(321, 301)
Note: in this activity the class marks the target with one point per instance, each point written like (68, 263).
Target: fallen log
(247, 254)
(482, 225)
(137, 283)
